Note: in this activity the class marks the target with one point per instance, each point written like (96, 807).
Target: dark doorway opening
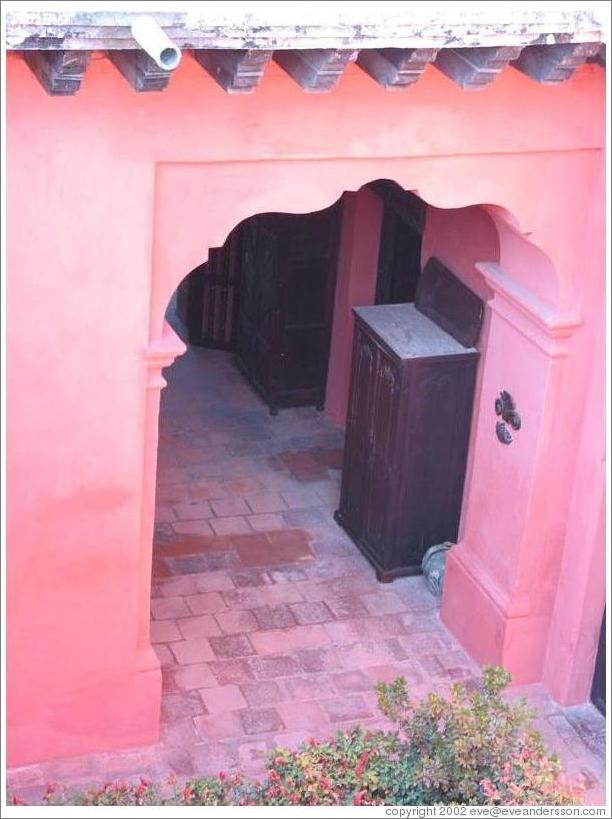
(268, 295)
(399, 260)
(598, 689)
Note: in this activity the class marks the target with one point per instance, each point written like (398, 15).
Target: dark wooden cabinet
(207, 298)
(408, 426)
(285, 305)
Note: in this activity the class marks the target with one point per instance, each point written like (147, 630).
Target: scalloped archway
(494, 600)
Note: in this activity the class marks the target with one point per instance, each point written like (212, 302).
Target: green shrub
(470, 748)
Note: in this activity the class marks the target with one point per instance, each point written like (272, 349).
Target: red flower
(361, 764)
(359, 798)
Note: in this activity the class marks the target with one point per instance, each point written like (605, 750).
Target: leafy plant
(475, 748)
(471, 747)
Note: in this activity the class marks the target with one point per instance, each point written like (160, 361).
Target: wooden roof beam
(315, 69)
(554, 63)
(59, 72)
(140, 70)
(395, 67)
(237, 71)
(600, 57)
(475, 67)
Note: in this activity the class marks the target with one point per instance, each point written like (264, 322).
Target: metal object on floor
(434, 565)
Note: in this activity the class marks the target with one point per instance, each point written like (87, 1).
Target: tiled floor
(269, 624)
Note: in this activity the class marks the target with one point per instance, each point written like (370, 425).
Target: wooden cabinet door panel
(382, 478)
(357, 462)
(257, 323)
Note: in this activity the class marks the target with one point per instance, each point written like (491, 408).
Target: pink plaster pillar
(502, 575)
(159, 354)
(581, 590)
(355, 286)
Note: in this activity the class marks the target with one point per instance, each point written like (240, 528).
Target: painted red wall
(113, 197)
(355, 286)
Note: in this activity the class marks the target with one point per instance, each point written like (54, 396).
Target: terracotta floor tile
(179, 545)
(233, 671)
(309, 687)
(178, 586)
(230, 507)
(231, 646)
(205, 603)
(346, 708)
(267, 522)
(277, 550)
(265, 503)
(261, 720)
(274, 617)
(308, 716)
(311, 612)
(218, 581)
(265, 692)
(160, 569)
(191, 651)
(231, 526)
(218, 726)
(164, 514)
(236, 622)
(274, 666)
(190, 677)
(206, 490)
(168, 608)
(193, 527)
(301, 498)
(252, 577)
(348, 682)
(193, 628)
(192, 510)
(223, 698)
(299, 637)
(164, 631)
(314, 660)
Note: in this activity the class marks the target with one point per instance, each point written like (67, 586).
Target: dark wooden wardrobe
(408, 424)
(207, 298)
(287, 282)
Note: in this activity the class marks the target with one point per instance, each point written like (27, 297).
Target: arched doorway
(267, 620)
(480, 588)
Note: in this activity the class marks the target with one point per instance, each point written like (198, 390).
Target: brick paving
(269, 625)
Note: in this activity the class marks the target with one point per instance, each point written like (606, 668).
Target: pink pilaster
(502, 576)
(355, 286)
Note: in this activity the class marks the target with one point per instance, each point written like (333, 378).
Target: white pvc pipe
(152, 38)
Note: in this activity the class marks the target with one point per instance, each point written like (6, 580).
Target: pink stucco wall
(355, 285)
(113, 197)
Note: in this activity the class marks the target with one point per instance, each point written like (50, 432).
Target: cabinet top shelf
(408, 333)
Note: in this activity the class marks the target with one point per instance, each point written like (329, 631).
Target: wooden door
(307, 280)
(258, 307)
